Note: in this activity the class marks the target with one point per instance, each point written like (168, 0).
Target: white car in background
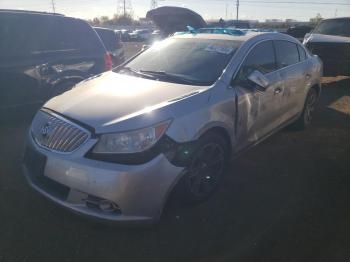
(140, 35)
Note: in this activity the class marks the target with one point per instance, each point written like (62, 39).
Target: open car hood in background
(171, 19)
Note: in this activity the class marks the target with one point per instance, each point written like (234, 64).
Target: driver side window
(261, 58)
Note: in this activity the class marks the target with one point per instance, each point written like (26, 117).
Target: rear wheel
(306, 117)
(205, 171)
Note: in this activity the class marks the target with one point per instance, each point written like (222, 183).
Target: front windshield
(338, 27)
(196, 61)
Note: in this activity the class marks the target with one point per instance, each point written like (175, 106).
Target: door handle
(278, 90)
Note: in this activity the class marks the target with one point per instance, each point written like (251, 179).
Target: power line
(275, 2)
(296, 2)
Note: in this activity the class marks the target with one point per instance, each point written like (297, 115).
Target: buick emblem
(46, 129)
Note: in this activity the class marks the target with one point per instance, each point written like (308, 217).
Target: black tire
(205, 172)
(61, 88)
(306, 116)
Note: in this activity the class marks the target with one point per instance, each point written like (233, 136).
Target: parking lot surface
(285, 200)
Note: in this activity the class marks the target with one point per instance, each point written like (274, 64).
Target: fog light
(108, 206)
(101, 204)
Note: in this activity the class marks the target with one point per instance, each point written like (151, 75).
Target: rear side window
(109, 38)
(286, 53)
(302, 53)
(25, 35)
(261, 58)
(71, 34)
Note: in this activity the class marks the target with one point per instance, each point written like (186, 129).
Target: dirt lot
(285, 200)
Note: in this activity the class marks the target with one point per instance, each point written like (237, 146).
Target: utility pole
(53, 6)
(124, 7)
(226, 11)
(154, 4)
(237, 5)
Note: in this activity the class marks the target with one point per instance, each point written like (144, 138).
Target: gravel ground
(284, 200)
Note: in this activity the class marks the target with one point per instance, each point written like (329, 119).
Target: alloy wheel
(206, 170)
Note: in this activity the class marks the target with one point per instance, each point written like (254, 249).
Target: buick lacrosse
(117, 145)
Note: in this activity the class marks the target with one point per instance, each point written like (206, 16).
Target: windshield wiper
(170, 76)
(140, 73)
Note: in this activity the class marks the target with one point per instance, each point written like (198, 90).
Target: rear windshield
(339, 27)
(201, 61)
(36, 34)
(108, 37)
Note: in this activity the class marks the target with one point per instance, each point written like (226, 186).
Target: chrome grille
(55, 133)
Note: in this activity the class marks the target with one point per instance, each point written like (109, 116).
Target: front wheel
(205, 171)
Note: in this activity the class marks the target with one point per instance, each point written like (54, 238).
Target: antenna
(237, 4)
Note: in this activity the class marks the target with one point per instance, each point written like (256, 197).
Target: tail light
(108, 62)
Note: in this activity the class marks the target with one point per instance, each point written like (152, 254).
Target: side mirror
(259, 79)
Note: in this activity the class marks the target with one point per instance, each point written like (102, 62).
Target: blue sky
(209, 9)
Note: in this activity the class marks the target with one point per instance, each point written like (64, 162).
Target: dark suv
(42, 55)
(330, 40)
(112, 42)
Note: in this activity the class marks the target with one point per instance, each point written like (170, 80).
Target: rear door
(22, 38)
(294, 73)
(74, 49)
(259, 111)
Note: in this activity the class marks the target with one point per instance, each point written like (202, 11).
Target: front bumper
(139, 191)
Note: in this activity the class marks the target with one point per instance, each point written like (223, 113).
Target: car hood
(111, 98)
(319, 38)
(170, 19)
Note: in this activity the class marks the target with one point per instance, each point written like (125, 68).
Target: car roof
(253, 36)
(336, 18)
(103, 29)
(15, 11)
(219, 36)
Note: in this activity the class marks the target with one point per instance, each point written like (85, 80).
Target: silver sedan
(166, 122)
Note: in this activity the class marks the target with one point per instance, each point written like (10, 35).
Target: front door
(259, 110)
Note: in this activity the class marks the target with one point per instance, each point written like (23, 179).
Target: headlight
(130, 142)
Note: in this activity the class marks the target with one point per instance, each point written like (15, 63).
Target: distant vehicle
(330, 40)
(238, 24)
(43, 55)
(112, 42)
(140, 35)
(117, 146)
(125, 35)
(299, 31)
(156, 35)
(170, 19)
